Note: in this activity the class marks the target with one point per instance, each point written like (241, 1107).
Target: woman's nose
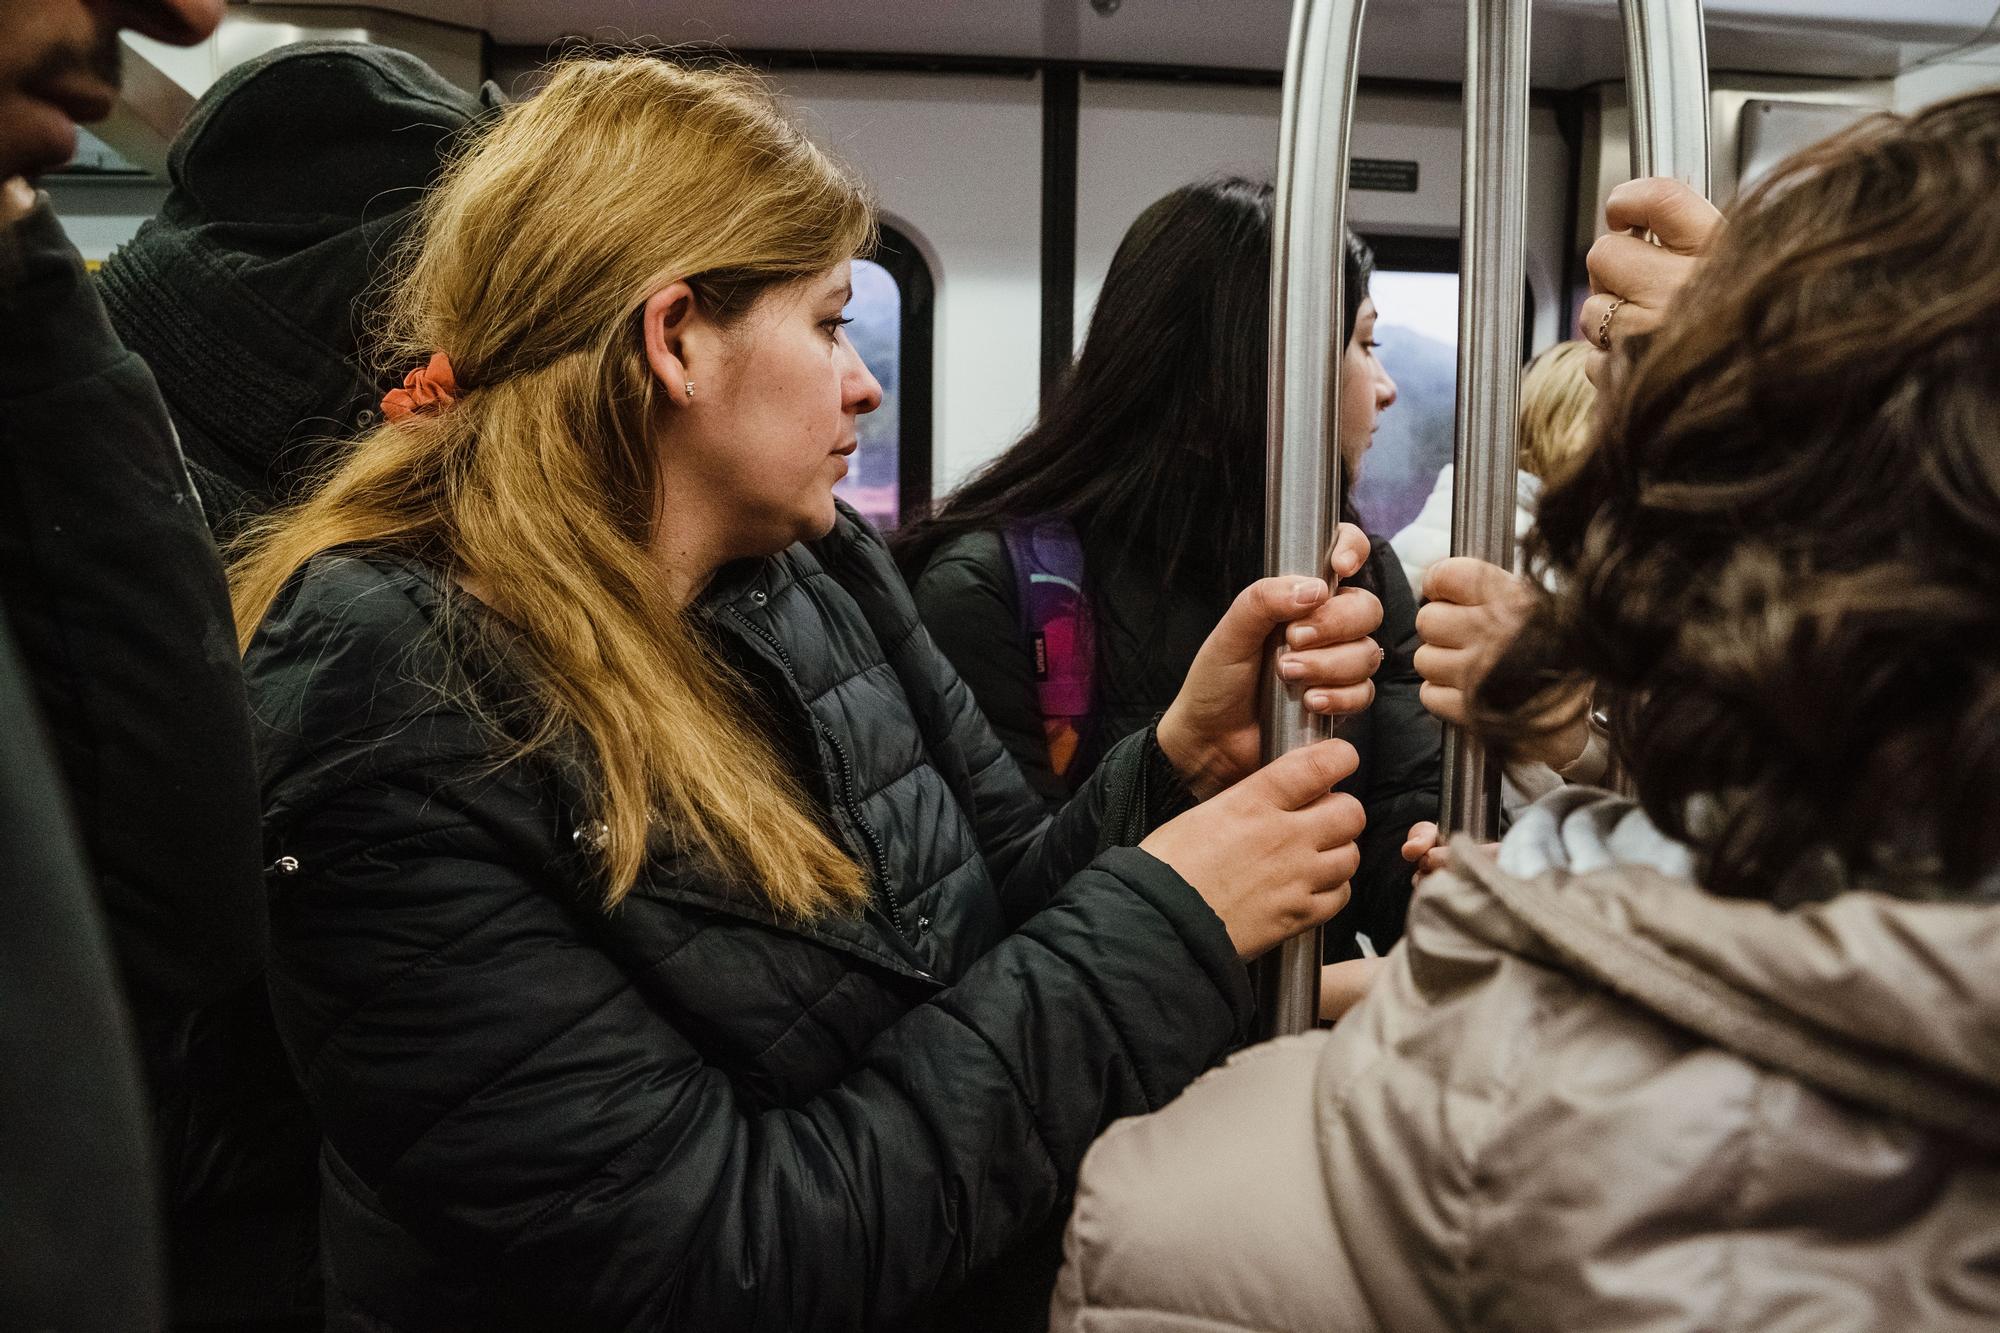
(1385, 391)
(862, 393)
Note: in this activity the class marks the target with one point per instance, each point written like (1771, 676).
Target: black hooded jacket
(296, 179)
(682, 1112)
(128, 804)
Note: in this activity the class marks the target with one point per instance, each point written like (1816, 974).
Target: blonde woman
(1556, 402)
(660, 934)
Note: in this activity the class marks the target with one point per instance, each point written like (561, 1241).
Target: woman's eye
(835, 325)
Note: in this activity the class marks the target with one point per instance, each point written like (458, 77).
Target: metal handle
(1666, 80)
(1493, 178)
(1302, 473)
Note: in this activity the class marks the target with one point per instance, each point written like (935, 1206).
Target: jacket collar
(1882, 1000)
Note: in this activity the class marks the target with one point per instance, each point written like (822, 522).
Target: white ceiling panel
(1577, 41)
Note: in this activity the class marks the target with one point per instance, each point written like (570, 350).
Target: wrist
(1196, 763)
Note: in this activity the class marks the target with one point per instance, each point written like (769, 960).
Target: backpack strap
(1061, 633)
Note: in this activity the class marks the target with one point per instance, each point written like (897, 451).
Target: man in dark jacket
(128, 805)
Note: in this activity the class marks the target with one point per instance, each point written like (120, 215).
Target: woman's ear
(674, 330)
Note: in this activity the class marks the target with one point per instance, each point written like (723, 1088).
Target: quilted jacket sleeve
(1030, 853)
(501, 1085)
(116, 598)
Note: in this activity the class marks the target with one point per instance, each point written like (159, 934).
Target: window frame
(904, 261)
(1443, 254)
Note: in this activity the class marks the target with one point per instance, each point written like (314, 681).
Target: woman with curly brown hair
(1727, 1057)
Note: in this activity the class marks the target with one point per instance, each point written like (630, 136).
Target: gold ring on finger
(1604, 325)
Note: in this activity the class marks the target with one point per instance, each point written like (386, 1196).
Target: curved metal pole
(1302, 460)
(1666, 82)
(1493, 242)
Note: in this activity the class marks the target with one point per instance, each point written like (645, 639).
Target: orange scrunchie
(428, 389)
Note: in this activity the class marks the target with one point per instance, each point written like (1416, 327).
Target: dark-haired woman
(1727, 1058)
(1152, 454)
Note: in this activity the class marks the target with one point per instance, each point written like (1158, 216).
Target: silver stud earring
(690, 388)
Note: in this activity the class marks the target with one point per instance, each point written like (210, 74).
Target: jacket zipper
(879, 859)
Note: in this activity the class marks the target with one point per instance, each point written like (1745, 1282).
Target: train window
(891, 329)
(1415, 289)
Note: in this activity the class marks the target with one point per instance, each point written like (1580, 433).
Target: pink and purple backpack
(1060, 629)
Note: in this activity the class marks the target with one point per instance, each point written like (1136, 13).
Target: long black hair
(1155, 436)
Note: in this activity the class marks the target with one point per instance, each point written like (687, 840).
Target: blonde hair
(531, 263)
(1556, 403)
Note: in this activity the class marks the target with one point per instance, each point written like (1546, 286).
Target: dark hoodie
(295, 181)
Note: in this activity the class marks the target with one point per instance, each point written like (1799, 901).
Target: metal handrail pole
(1302, 473)
(1666, 82)
(1493, 239)
(1666, 86)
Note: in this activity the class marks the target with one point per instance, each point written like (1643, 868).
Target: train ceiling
(1578, 40)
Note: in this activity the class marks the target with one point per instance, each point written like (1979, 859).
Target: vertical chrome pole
(1492, 229)
(1666, 82)
(1302, 461)
(1666, 87)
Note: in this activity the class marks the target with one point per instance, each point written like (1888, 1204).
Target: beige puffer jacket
(1594, 1099)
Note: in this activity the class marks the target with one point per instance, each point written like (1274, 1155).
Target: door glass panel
(873, 484)
(1417, 325)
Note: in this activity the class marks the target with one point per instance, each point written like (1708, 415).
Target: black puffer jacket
(683, 1113)
(128, 801)
(1147, 642)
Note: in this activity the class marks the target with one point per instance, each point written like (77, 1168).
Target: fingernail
(1308, 592)
(1291, 669)
(1301, 635)
(1318, 699)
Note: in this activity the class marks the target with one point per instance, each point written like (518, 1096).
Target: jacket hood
(293, 182)
(1882, 1000)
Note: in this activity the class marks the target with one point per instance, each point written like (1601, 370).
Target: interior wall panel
(1140, 139)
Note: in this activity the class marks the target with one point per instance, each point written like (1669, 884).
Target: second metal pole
(1492, 230)
(1666, 85)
